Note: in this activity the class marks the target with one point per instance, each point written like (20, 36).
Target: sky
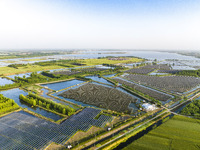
(100, 24)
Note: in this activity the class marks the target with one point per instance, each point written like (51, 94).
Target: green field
(178, 133)
(60, 64)
(29, 68)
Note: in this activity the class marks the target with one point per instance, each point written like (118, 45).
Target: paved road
(169, 110)
(130, 130)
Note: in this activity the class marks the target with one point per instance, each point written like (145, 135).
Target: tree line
(192, 109)
(195, 73)
(7, 104)
(36, 100)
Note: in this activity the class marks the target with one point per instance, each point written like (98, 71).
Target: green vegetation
(10, 86)
(36, 100)
(57, 64)
(27, 54)
(192, 109)
(7, 105)
(177, 133)
(28, 68)
(16, 66)
(133, 131)
(195, 73)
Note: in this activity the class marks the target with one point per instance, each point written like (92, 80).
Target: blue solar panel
(20, 130)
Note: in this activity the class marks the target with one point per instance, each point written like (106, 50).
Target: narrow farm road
(130, 130)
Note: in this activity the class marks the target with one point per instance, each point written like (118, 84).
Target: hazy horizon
(106, 24)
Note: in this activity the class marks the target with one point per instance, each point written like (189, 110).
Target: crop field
(172, 84)
(100, 96)
(159, 66)
(152, 93)
(90, 62)
(21, 130)
(59, 65)
(140, 71)
(29, 68)
(178, 133)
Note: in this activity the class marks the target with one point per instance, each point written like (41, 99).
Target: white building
(148, 107)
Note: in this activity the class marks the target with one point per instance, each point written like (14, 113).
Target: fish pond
(4, 81)
(14, 94)
(62, 85)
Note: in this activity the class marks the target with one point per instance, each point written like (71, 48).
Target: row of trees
(51, 75)
(192, 109)
(7, 105)
(30, 101)
(34, 78)
(9, 86)
(17, 65)
(195, 73)
(35, 100)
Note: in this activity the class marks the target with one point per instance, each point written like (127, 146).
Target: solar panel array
(20, 130)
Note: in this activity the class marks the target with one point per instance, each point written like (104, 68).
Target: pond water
(4, 81)
(62, 85)
(71, 100)
(14, 94)
(20, 75)
(99, 79)
(103, 81)
(133, 107)
(157, 73)
(104, 67)
(138, 53)
(44, 94)
(109, 75)
(103, 53)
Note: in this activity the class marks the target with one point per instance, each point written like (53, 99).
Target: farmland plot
(100, 96)
(172, 84)
(179, 133)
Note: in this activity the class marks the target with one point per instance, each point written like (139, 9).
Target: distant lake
(143, 54)
(103, 53)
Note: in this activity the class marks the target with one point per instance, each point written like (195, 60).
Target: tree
(48, 106)
(64, 111)
(34, 102)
